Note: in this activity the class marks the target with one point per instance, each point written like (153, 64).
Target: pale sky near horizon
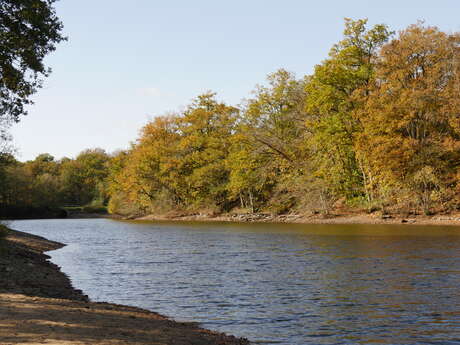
(128, 61)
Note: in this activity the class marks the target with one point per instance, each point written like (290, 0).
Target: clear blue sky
(128, 61)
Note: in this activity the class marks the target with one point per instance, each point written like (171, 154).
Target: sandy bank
(38, 305)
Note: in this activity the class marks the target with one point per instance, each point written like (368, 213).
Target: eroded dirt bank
(39, 306)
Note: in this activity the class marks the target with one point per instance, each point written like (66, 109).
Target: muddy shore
(38, 305)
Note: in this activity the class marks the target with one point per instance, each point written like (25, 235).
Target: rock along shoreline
(38, 305)
(346, 218)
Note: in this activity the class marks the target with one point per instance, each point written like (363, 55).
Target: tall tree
(411, 122)
(143, 177)
(268, 149)
(180, 160)
(206, 128)
(84, 178)
(29, 30)
(332, 100)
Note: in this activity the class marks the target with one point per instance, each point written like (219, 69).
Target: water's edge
(336, 219)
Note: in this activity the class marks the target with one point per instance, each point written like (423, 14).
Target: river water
(286, 284)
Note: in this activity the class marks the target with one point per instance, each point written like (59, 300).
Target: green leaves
(376, 125)
(180, 160)
(29, 30)
(335, 94)
(408, 119)
(371, 115)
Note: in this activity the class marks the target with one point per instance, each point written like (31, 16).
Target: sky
(126, 62)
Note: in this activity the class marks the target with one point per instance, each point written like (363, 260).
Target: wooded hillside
(375, 127)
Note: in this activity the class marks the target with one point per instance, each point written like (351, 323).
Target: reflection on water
(291, 284)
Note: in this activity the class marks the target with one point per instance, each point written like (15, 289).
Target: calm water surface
(287, 284)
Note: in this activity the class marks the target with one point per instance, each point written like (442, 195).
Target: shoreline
(358, 218)
(38, 304)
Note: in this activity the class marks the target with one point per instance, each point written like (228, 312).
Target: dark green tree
(29, 30)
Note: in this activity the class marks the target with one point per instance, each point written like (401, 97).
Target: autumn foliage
(375, 127)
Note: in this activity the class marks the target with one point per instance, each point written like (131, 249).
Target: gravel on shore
(338, 218)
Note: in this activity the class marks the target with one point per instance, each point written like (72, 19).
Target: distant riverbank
(42, 306)
(349, 218)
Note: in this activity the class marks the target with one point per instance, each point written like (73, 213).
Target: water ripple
(280, 284)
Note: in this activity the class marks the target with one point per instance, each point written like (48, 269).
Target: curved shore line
(38, 304)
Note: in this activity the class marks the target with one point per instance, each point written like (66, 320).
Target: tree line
(42, 186)
(375, 127)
